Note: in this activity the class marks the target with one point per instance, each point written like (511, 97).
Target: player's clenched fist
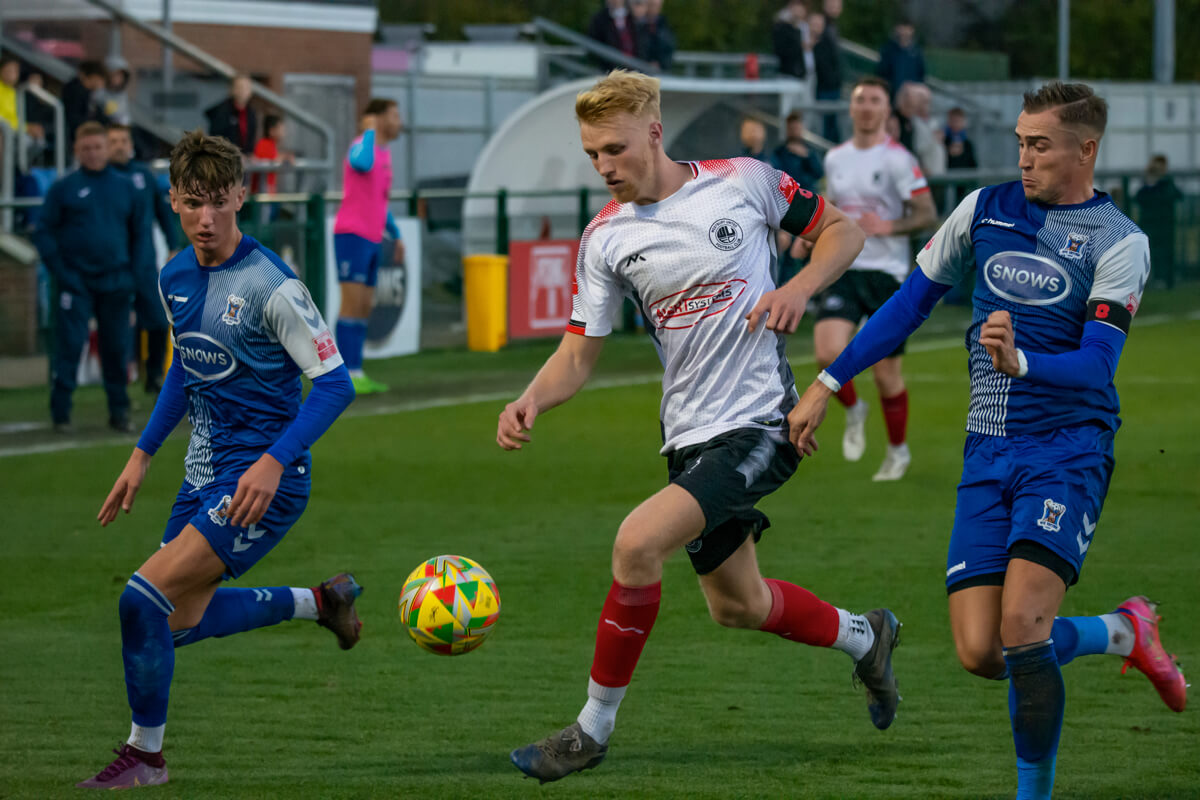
(997, 336)
(515, 421)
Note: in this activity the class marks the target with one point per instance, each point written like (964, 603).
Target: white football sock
(1120, 634)
(306, 603)
(599, 715)
(357, 373)
(148, 740)
(855, 635)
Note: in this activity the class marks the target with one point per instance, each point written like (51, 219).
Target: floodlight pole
(1164, 41)
(168, 76)
(1064, 39)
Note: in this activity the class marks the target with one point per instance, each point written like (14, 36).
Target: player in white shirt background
(693, 244)
(875, 181)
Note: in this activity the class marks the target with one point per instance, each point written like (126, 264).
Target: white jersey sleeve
(949, 256)
(1122, 272)
(597, 293)
(292, 317)
(777, 195)
(906, 173)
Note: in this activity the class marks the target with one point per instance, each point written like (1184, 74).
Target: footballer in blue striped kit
(245, 329)
(1059, 273)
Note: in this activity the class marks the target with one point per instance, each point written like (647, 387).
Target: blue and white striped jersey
(244, 331)
(1042, 264)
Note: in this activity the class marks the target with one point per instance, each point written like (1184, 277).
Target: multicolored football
(449, 605)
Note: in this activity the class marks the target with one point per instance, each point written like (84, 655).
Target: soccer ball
(449, 605)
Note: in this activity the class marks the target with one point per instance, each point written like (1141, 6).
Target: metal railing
(60, 126)
(214, 64)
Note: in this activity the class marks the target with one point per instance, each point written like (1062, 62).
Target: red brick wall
(266, 53)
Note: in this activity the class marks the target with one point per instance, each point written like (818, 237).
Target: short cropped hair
(205, 165)
(92, 68)
(90, 128)
(795, 115)
(876, 81)
(619, 91)
(1075, 103)
(378, 105)
(270, 121)
(119, 126)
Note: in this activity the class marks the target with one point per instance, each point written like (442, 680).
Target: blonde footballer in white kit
(693, 244)
(879, 184)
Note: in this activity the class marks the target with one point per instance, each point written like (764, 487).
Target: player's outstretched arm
(563, 374)
(126, 488)
(837, 241)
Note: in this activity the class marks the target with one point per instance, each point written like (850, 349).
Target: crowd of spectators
(637, 28)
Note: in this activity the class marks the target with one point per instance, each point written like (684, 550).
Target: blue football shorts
(357, 259)
(239, 548)
(1045, 488)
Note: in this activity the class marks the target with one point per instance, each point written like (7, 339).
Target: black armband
(804, 212)
(1110, 313)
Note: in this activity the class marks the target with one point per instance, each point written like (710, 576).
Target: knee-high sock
(799, 615)
(237, 610)
(146, 650)
(351, 336)
(847, 395)
(895, 415)
(1036, 699)
(625, 622)
(1091, 636)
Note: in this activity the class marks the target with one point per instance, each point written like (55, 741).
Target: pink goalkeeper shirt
(364, 208)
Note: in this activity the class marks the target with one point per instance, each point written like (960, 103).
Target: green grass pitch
(713, 713)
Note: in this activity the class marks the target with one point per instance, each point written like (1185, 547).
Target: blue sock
(238, 610)
(146, 650)
(1036, 699)
(1078, 636)
(351, 336)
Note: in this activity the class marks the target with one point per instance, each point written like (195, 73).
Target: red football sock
(846, 395)
(895, 414)
(799, 615)
(625, 623)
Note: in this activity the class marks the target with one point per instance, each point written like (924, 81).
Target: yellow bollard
(485, 290)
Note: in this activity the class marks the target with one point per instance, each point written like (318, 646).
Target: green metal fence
(295, 226)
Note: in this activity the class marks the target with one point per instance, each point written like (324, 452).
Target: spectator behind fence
(654, 39)
(113, 99)
(900, 59)
(827, 58)
(267, 150)
(613, 26)
(753, 136)
(233, 117)
(796, 157)
(916, 104)
(1156, 202)
(787, 38)
(79, 98)
(960, 152)
(92, 238)
(10, 74)
(151, 317)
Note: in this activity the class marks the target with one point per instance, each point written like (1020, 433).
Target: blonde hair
(619, 91)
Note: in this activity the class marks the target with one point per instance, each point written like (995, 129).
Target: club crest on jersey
(725, 234)
(1051, 515)
(1073, 249)
(233, 310)
(217, 512)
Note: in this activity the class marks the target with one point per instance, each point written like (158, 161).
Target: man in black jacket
(233, 117)
(828, 60)
(78, 97)
(613, 25)
(787, 38)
